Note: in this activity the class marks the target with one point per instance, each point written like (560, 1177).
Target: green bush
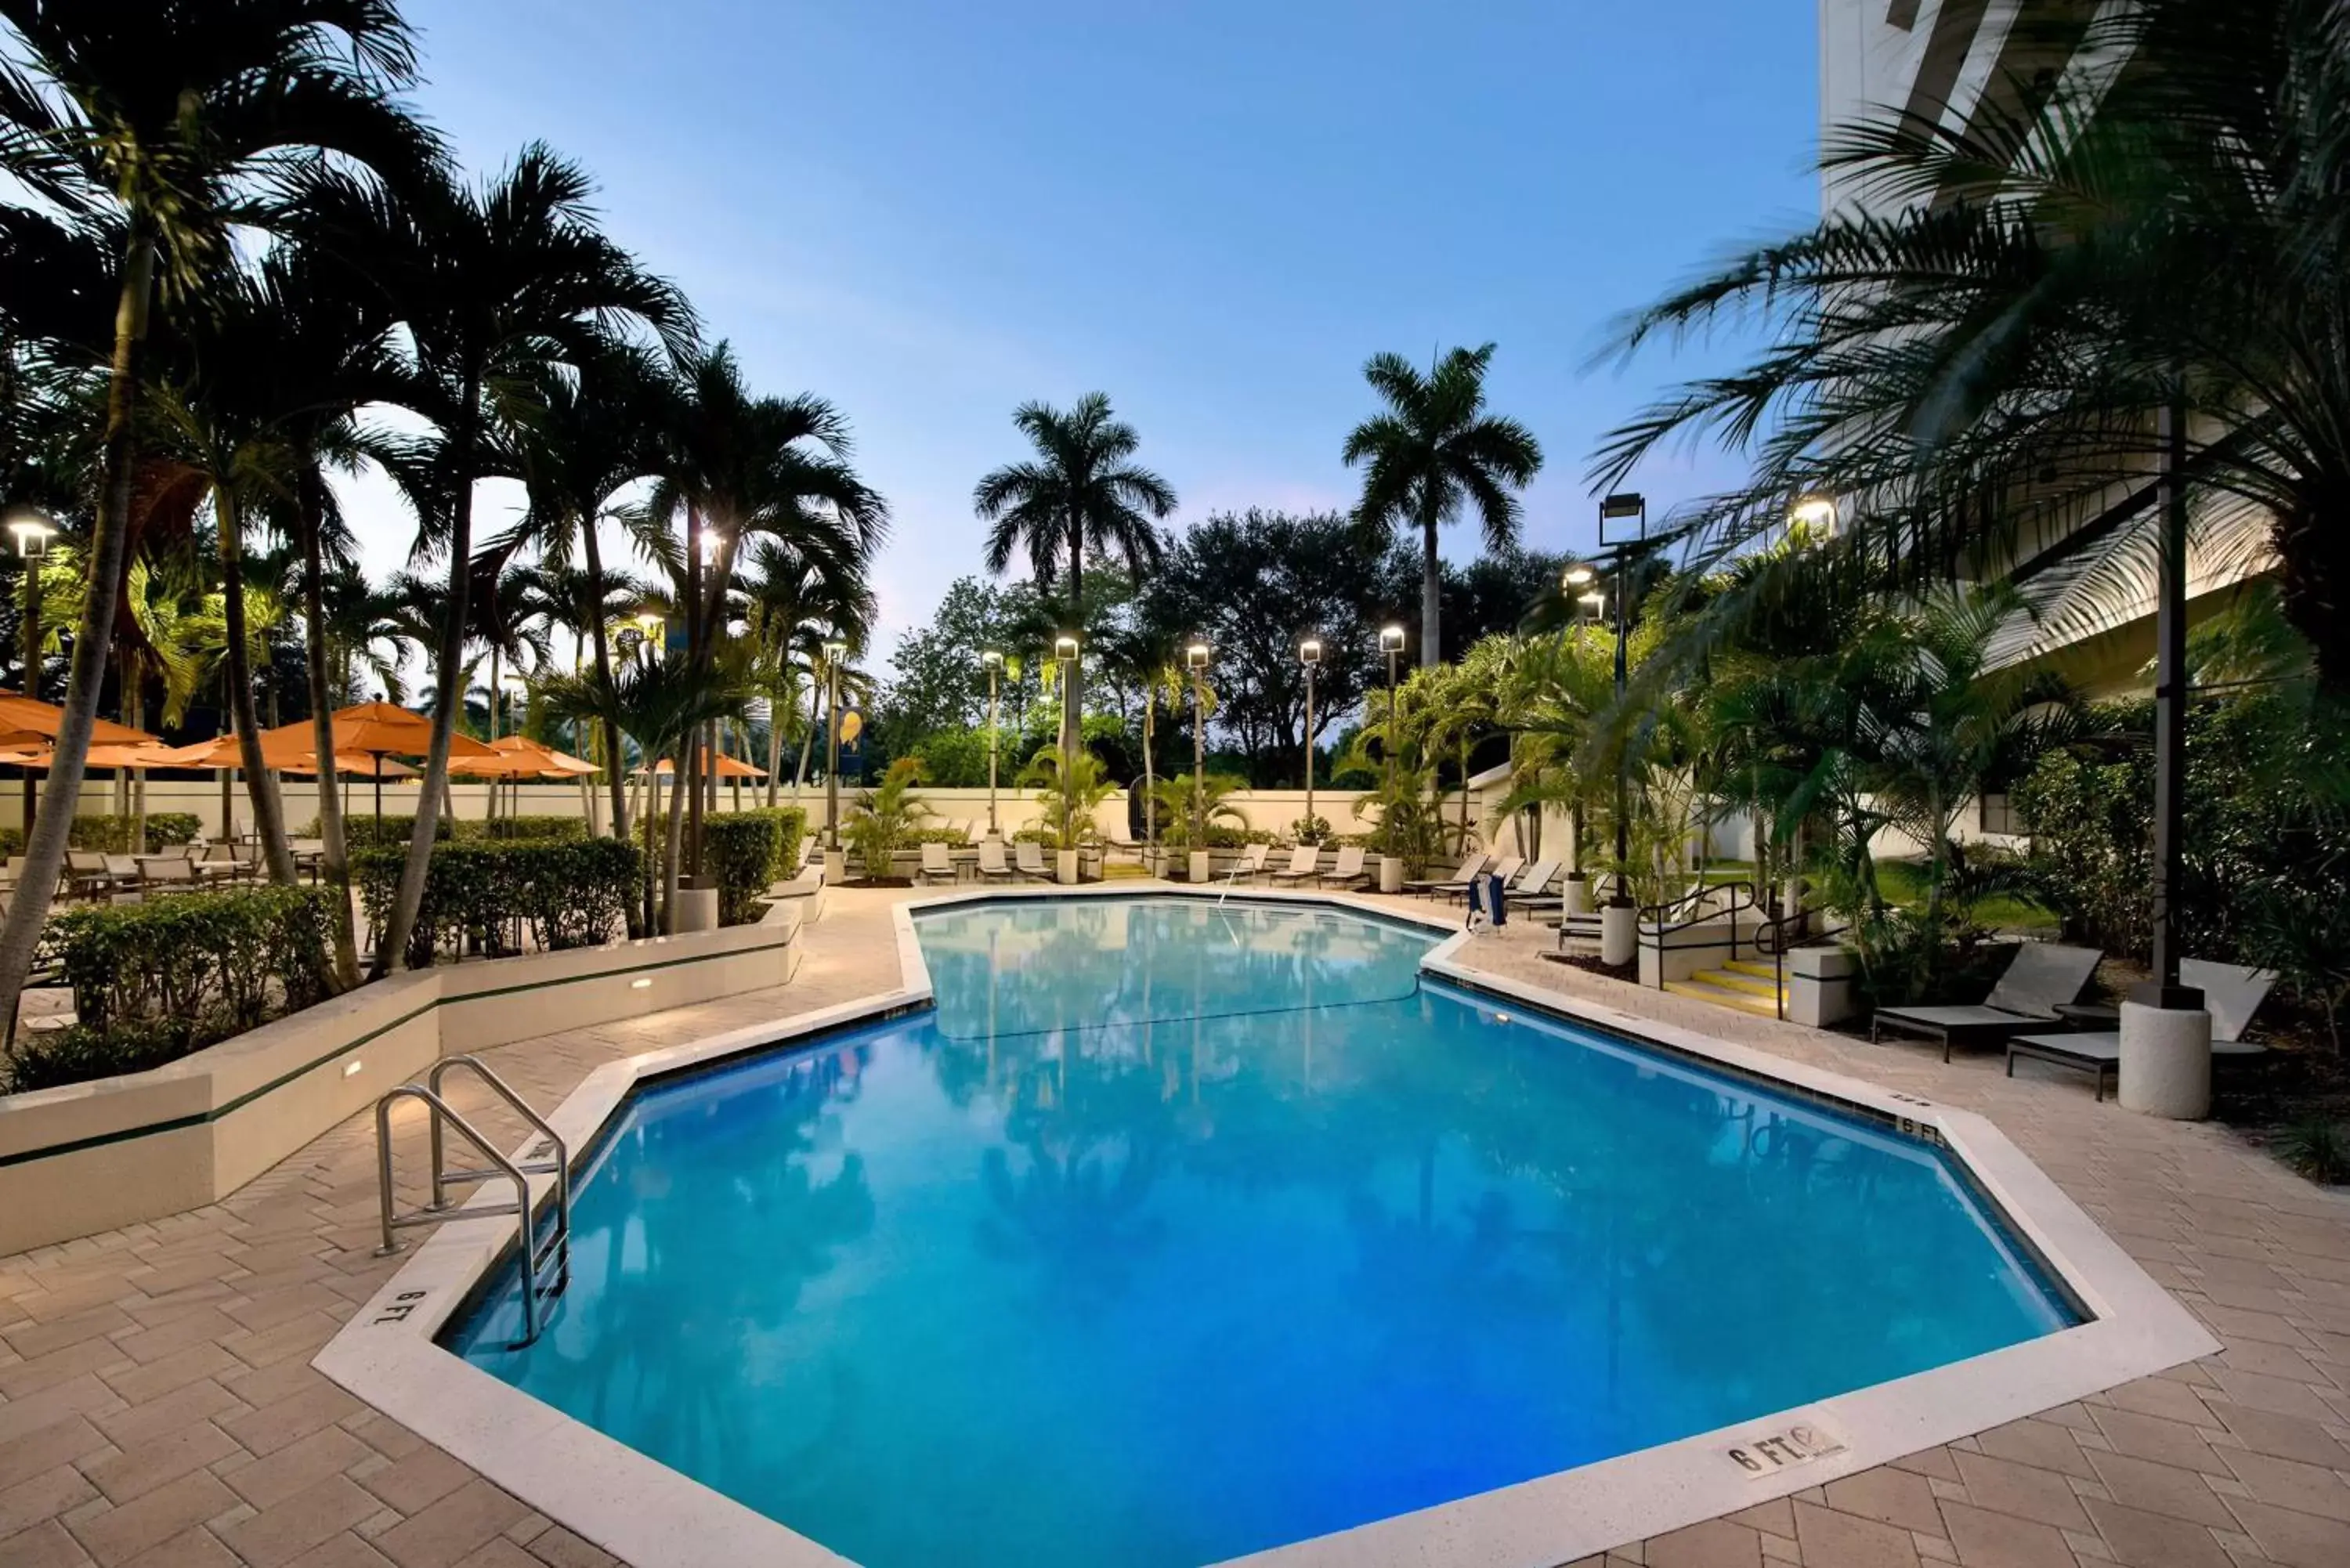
(153, 981)
(746, 851)
(361, 830)
(569, 894)
(531, 829)
(117, 835)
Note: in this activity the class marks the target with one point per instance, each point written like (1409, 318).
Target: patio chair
(2040, 978)
(991, 868)
(1531, 889)
(2232, 993)
(1507, 867)
(86, 870)
(1349, 872)
(168, 874)
(1251, 864)
(1028, 859)
(1470, 864)
(1302, 862)
(938, 863)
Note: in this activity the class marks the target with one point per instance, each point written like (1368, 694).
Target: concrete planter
(1065, 867)
(1620, 934)
(1198, 870)
(1576, 891)
(695, 909)
(836, 868)
(1390, 873)
(2165, 1067)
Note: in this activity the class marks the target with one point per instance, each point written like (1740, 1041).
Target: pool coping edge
(652, 1516)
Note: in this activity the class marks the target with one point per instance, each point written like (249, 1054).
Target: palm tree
(1080, 491)
(1433, 451)
(1977, 366)
(795, 603)
(164, 118)
(493, 284)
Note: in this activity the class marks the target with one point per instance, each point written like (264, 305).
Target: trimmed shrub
(571, 894)
(361, 830)
(117, 835)
(532, 829)
(156, 980)
(746, 851)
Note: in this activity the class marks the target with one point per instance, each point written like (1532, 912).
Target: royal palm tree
(795, 603)
(1978, 362)
(492, 283)
(1433, 452)
(1081, 491)
(164, 120)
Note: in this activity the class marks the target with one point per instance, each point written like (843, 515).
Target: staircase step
(1754, 967)
(1738, 979)
(1742, 1000)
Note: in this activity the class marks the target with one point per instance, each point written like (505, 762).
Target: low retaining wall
(91, 1156)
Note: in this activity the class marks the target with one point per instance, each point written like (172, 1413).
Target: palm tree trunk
(1150, 777)
(446, 679)
(260, 783)
(603, 674)
(1432, 593)
(674, 849)
(335, 860)
(1073, 688)
(45, 845)
(775, 751)
(807, 740)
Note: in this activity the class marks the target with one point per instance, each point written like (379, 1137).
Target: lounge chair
(2039, 979)
(1470, 866)
(1251, 864)
(991, 868)
(2232, 993)
(1507, 867)
(938, 862)
(1532, 886)
(1303, 860)
(1028, 859)
(1349, 872)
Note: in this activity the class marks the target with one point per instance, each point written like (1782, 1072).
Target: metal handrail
(1742, 897)
(520, 1208)
(1776, 931)
(559, 1167)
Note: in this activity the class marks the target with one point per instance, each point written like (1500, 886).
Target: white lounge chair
(938, 862)
(1534, 884)
(1028, 859)
(2232, 994)
(1349, 872)
(1470, 866)
(1505, 867)
(1251, 864)
(2040, 978)
(991, 868)
(1303, 861)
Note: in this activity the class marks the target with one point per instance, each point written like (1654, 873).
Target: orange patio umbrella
(549, 761)
(27, 718)
(724, 766)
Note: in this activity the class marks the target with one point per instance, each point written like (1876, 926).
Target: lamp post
(33, 534)
(834, 651)
(1195, 659)
(994, 663)
(1618, 925)
(1390, 864)
(1309, 654)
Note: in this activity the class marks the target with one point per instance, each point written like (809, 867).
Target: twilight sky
(930, 211)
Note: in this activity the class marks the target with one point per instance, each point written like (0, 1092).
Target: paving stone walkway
(157, 1405)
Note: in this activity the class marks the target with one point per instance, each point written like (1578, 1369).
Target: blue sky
(932, 209)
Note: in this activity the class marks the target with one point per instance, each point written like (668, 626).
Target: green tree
(1081, 491)
(1433, 452)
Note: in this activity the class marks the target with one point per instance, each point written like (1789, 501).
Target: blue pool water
(1176, 1233)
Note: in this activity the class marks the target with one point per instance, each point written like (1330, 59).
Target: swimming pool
(1177, 1231)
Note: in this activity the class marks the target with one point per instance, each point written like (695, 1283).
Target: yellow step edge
(1750, 966)
(1737, 980)
(1744, 1002)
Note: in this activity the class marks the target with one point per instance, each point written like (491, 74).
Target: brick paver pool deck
(157, 1407)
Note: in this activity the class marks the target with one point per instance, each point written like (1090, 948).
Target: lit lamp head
(1577, 576)
(835, 650)
(1814, 512)
(1195, 657)
(992, 658)
(33, 533)
(1065, 647)
(1594, 601)
(1309, 652)
(1390, 639)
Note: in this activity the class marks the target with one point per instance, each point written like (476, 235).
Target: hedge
(118, 835)
(530, 829)
(747, 851)
(155, 981)
(361, 830)
(572, 894)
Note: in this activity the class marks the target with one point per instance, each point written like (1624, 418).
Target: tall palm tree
(1081, 491)
(492, 283)
(1977, 365)
(795, 603)
(165, 118)
(1432, 452)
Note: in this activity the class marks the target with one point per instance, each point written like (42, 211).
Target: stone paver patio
(157, 1404)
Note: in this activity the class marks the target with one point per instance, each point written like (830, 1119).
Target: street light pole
(994, 663)
(1390, 644)
(833, 653)
(1620, 559)
(1309, 653)
(33, 533)
(1196, 658)
(1065, 650)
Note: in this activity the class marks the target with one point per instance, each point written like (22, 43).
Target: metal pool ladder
(545, 1261)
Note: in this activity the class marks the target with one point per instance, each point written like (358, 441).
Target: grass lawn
(1904, 882)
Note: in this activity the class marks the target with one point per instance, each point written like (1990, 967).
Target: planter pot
(1390, 873)
(1198, 871)
(1577, 894)
(2165, 1067)
(694, 909)
(1065, 867)
(836, 868)
(1090, 865)
(1619, 935)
